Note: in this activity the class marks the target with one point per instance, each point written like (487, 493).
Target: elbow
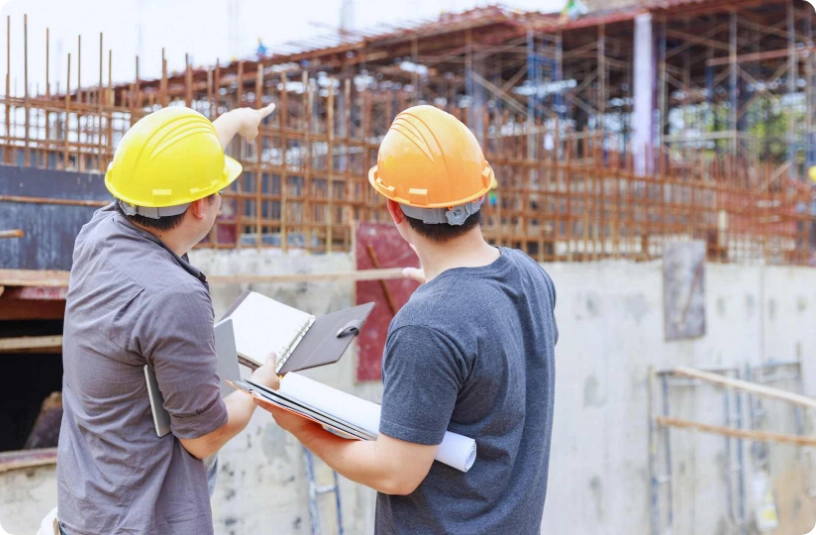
(199, 448)
(399, 486)
(199, 454)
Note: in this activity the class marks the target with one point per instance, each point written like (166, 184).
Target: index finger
(267, 111)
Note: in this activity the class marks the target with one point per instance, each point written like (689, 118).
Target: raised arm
(243, 121)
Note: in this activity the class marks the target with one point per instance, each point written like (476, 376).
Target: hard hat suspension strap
(437, 216)
(153, 213)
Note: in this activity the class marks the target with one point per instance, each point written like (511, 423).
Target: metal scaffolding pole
(793, 68)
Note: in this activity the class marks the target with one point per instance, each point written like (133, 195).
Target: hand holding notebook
(258, 326)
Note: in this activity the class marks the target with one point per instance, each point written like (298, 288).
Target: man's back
(133, 302)
(473, 352)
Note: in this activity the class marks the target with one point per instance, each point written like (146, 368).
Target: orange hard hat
(429, 159)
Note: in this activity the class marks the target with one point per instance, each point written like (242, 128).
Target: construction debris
(45, 433)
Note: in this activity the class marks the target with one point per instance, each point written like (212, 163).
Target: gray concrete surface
(611, 322)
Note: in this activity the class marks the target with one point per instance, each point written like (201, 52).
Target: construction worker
(135, 299)
(471, 352)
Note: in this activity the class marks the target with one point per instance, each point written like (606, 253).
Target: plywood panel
(390, 251)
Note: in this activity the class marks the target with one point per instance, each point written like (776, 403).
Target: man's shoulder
(522, 260)
(108, 257)
(528, 265)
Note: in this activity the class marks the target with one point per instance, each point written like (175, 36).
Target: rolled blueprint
(456, 451)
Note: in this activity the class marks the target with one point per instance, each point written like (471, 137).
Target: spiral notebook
(264, 326)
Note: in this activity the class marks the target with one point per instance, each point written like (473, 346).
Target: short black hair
(162, 224)
(442, 232)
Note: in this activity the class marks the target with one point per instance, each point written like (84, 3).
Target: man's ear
(196, 209)
(396, 212)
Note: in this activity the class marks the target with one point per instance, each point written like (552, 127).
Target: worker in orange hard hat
(471, 352)
(139, 319)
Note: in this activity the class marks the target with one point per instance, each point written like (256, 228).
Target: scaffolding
(588, 167)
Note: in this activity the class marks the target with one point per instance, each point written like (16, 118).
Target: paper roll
(457, 451)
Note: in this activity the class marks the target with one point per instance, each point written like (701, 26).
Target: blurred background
(654, 156)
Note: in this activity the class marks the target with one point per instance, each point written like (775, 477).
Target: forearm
(358, 460)
(239, 411)
(227, 126)
(240, 408)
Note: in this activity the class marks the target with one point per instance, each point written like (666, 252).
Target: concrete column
(478, 102)
(643, 140)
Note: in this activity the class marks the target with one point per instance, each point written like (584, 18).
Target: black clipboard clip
(351, 328)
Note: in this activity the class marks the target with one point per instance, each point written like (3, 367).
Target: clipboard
(300, 340)
(328, 338)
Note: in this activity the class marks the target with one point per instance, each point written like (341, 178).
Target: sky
(143, 27)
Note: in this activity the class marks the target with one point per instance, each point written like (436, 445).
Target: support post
(643, 137)
(793, 72)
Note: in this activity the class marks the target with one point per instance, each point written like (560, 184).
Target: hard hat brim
(232, 170)
(375, 183)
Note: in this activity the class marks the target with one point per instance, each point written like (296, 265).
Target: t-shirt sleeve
(553, 297)
(423, 372)
(179, 343)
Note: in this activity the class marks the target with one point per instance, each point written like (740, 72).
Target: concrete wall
(611, 323)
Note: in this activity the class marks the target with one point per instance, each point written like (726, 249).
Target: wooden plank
(37, 293)
(23, 277)
(351, 276)
(745, 386)
(19, 460)
(30, 342)
(31, 310)
(17, 233)
(30, 277)
(747, 434)
(63, 202)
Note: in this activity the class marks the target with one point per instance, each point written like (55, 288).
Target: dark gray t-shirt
(473, 352)
(132, 301)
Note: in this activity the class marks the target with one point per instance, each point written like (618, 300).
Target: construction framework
(610, 135)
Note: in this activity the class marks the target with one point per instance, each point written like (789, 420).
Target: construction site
(653, 156)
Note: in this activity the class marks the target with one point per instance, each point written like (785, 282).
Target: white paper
(455, 450)
(263, 326)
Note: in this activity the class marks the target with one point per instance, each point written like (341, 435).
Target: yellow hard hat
(429, 159)
(170, 158)
(812, 173)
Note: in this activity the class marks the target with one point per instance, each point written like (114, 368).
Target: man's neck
(170, 239)
(469, 250)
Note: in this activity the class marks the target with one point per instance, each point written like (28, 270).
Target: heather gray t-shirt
(132, 301)
(473, 352)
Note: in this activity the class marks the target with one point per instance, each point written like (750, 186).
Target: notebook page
(263, 326)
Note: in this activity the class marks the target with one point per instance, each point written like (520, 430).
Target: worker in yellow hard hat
(138, 313)
(472, 352)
